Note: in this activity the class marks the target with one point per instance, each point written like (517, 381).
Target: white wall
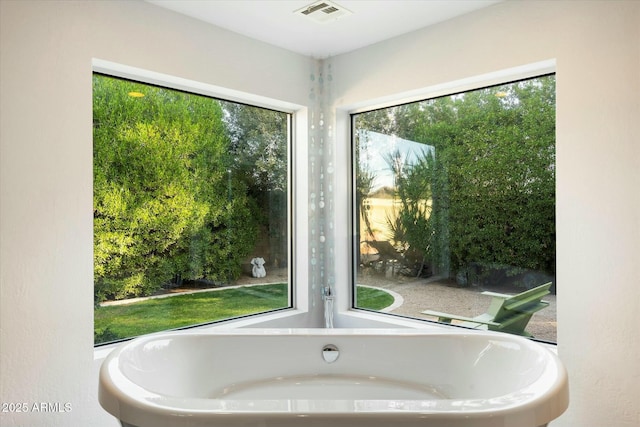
(597, 49)
(46, 48)
(46, 323)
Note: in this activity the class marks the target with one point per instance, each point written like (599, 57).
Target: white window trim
(346, 316)
(300, 313)
(303, 314)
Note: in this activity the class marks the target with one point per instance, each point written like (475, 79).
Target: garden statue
(258, 267)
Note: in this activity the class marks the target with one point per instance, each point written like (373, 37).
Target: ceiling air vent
(323, 11)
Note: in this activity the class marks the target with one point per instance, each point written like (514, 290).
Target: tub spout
(327, 293)
(327, 297)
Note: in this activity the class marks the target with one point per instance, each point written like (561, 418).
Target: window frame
(298, 298)
(347, 315)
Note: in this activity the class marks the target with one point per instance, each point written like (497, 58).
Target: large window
(191, 209)
(455, 207)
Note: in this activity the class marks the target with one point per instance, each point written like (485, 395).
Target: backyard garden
(454, 196)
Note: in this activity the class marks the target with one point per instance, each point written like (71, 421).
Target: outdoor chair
(506, 313)
(388, 255)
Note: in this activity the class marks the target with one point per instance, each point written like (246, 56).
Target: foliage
(258, 143)
(490, 181)
(167, 203)
(413, 221)
(364, 186)
(256, 139)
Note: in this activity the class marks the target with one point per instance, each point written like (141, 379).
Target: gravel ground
(444, 296)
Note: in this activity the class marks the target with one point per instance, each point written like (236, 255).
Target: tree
(490, 179)
(497, 148)
(413, 223)
(259, 143)
(166, 205)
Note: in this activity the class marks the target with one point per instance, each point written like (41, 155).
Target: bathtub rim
(150, 408)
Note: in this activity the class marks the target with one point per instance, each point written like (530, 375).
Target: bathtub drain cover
(330, 353)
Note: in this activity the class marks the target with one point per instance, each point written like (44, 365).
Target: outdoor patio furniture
(388, 255)
(506, 313)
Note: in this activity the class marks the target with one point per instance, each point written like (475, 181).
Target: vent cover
(323, 11)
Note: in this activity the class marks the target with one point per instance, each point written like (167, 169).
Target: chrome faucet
(327, 297)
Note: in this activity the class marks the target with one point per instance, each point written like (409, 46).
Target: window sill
(370, 319)
(367, 319)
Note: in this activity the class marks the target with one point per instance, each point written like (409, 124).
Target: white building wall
(46, 49)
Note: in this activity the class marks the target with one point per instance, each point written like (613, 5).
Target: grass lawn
(372, 299)
(123, 321)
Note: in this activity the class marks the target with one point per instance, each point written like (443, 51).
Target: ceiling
(274, 21)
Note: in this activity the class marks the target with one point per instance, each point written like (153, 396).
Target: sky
(379, 149)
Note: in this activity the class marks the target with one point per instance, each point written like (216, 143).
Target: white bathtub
(279, 377)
